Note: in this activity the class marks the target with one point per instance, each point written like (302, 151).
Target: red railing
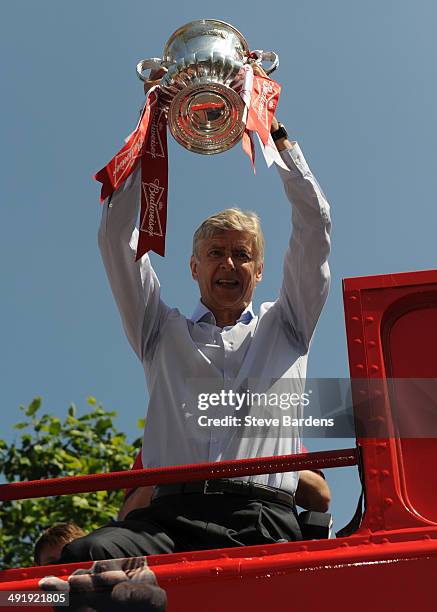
(179, 473)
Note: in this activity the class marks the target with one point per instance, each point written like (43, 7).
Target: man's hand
(313, 492)
(139, 498)
(259, 70)
(154, 78)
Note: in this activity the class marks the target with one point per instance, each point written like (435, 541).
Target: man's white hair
(232, 219)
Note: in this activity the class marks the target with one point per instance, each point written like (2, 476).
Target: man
(49, 546)
(226, 342)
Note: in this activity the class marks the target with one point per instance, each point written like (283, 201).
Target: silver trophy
(199, 91)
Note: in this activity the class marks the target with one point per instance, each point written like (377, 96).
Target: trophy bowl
(203, 60)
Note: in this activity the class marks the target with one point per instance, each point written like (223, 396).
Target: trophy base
(206, 118)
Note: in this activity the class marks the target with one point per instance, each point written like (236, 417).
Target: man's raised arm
(134, 284)
(306, 271)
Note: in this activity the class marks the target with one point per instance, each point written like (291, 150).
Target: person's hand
(313, 492)
(154, 78)
(115, 585)
(259, 70)
(138, 498)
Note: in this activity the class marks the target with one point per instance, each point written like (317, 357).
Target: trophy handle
(152, 63)
(266, 56)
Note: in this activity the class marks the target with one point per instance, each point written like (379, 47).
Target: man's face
(226, 270)
(51, 553)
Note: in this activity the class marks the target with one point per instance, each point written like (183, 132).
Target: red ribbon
(154, 187)
(263, 102)
(249, 147)
(124, 162)
(148, 142)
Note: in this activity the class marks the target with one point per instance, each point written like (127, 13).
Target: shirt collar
(202, 313)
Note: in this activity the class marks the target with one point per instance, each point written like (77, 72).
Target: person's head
(50, 544)
(227, 259)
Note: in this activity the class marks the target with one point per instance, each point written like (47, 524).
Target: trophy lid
(204, 27)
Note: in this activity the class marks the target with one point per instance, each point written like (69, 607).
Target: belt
(224, 485)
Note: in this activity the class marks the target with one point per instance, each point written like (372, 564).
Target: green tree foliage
(48, 447)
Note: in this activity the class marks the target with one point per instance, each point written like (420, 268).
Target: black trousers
(186, 522)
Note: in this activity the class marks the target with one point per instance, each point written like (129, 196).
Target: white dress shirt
(264, 352)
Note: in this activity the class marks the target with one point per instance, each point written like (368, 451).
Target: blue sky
(358, 94)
